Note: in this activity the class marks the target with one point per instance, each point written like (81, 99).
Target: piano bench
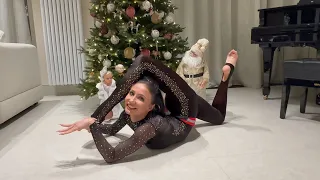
(302, 72)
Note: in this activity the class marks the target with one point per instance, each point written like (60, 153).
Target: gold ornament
(155, 18)
(129, 53)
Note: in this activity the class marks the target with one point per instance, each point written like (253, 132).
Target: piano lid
(308, 2)
(301, 5)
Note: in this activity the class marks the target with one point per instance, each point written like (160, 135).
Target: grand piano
(291, 26)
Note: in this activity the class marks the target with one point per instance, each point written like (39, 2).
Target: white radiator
(63, 36)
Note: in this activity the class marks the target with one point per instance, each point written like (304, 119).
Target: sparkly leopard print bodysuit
(156, 131)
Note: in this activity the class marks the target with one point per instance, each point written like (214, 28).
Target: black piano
(292, 26)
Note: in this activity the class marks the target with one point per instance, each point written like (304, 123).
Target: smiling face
(138, 102)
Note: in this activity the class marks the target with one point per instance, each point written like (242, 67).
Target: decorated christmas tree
(124, 29)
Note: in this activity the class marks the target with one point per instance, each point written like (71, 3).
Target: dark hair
(156, 95)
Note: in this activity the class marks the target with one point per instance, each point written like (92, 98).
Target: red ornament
(168, 36)
(93, 14)
(130, 11)
(145, 52)
(104, 30)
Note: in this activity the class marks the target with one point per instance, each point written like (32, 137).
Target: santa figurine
(194, 69)
(106, 87)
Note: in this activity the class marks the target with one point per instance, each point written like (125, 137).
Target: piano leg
(268, 53)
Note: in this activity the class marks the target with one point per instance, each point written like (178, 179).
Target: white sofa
(20, 81)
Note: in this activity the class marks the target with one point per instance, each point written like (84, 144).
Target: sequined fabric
(156, 132)
(168, 82)
(111, 154)
(112, 129)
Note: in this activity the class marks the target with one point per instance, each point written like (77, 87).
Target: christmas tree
(125, 29)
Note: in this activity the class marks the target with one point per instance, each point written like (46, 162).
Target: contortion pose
(145, 109)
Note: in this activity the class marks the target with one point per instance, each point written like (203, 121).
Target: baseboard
(60, 90)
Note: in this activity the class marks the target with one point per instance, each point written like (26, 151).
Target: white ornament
(161, 14)
(98, 24)
(169, 19)
(119, 68)
(115, 39)
(91, 51)
(146, 5)
(155, 33)
(100, 57)
(167, 55)
(110, 7)
(107, 63)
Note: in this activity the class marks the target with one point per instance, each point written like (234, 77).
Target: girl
(144, 108)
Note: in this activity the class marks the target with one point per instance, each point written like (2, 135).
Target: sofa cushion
(12, 106)
(19, 69)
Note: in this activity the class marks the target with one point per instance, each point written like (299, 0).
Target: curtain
(14, 21)
(227, 25)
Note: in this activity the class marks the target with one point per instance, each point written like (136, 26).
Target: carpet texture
(254, 143)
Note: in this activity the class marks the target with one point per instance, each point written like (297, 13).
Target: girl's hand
(77, 126)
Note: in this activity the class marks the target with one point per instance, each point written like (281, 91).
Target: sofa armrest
(19, 69)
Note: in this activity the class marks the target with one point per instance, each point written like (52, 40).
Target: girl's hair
(156, 95)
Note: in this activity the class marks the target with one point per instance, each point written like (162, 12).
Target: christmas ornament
(161, 14)
(167, 55)
(91, 51)
(169, 19)
(100, 57)
(129, 53)
(91, 74)
(115, 39)
(137, 28)
(107, 63)
(110, 7)
(146, 5)
(131, 24)
(155, 18)
(98, 24)
(93, 14)
(168, 36)
(155, 33)
(130, 11)
(119, 68)
(104, 30)
(133, 28)
(145, 52)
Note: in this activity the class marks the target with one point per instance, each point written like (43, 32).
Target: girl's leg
(216, 112)
(169, 82)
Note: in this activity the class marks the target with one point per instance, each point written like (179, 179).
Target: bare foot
(232, 58)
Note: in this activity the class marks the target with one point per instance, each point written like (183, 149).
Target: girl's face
(107, 79)
(138, 102)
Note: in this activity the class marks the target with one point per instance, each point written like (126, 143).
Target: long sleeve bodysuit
(154, 131)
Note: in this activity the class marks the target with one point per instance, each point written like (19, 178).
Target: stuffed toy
(106, 87)
(194, 69)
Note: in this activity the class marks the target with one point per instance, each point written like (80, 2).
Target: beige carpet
(253, 144)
